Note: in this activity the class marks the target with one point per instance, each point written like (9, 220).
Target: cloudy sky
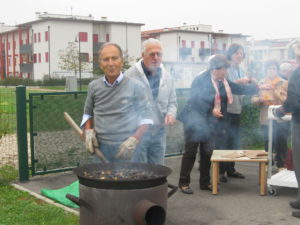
(260, 18)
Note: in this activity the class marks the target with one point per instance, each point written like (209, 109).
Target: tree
(69, 59)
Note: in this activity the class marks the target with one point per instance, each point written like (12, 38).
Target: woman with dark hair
(235, 54)
(202, 116)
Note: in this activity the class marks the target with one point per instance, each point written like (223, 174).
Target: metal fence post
(22, 133)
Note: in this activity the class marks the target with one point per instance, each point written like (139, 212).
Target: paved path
(238, 203)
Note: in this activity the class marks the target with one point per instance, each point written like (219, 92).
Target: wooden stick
(77, 129)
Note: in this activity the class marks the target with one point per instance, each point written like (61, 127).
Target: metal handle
(74, 199)
(174, 189)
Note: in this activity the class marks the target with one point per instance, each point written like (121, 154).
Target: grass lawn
(20, 208)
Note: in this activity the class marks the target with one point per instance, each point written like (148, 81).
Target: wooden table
(217, 157)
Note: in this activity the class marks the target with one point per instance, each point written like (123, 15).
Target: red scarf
(217, 104)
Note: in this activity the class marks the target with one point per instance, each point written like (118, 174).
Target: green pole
(22, 133)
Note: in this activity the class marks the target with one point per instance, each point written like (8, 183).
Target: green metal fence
(54, 146)
(8, 138)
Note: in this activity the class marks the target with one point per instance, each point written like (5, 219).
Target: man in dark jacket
(292, 104)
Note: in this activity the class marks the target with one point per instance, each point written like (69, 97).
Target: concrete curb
(47, 200)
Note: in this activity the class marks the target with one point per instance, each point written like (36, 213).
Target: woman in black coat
(203, 116)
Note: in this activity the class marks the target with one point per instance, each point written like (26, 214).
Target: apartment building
(32, 49)
(260, 51)
(187, 48)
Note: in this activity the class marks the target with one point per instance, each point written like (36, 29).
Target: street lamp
(79, 59)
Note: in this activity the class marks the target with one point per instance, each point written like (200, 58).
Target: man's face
(152, 56)
(110, 61)
(219, 73)
(238, 57)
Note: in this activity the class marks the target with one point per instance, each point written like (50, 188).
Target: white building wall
(102, 30)
(63, 32)
(128, 37)
(170, 46)
(40, 47)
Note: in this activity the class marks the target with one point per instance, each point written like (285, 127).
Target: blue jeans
(152, 146)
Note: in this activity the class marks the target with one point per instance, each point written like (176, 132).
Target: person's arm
(243, 89)
(292, 103)
(141, 130)
(172, 106)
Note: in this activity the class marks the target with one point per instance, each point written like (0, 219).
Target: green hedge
(47, 81)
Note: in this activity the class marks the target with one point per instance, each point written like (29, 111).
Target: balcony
(26, 49)
(185, 52)
(26, 68)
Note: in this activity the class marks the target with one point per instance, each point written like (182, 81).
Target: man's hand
(217, 113)
(169, 120)
(90, 140)
(127, 148)
(278, 112)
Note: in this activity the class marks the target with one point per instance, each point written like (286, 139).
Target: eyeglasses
(158, 54)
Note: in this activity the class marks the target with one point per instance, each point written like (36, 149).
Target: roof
(148, 33)
(57, 17)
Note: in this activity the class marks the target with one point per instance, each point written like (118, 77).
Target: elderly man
(160, 89)
(285, 70)
(117, 111)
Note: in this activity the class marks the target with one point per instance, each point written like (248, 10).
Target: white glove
(127, 148)
(90, 140)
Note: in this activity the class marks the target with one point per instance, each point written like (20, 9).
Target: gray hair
(149, 42)
(110, 44)
(217, 62)
(285, 67)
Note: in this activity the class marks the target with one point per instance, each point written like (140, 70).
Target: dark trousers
(229, 138)
(281, 132)
(189, 157)
(296, 153)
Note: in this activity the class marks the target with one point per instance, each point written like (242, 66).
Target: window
(34, 37)
(83, 37)
(39, 37)
(46, 36)
(192, 44)
(202, 44)
(107, 38)
(95, 37)
(34, 58)
(84, 57)
(224, 46)
(40, 58)
(46, 56)
(183, 43)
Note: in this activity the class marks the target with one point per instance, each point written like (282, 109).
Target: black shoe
(207, 187)
(223, 179)
(296, 214)
(186, 190)
(236, 175)
(295, 204)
